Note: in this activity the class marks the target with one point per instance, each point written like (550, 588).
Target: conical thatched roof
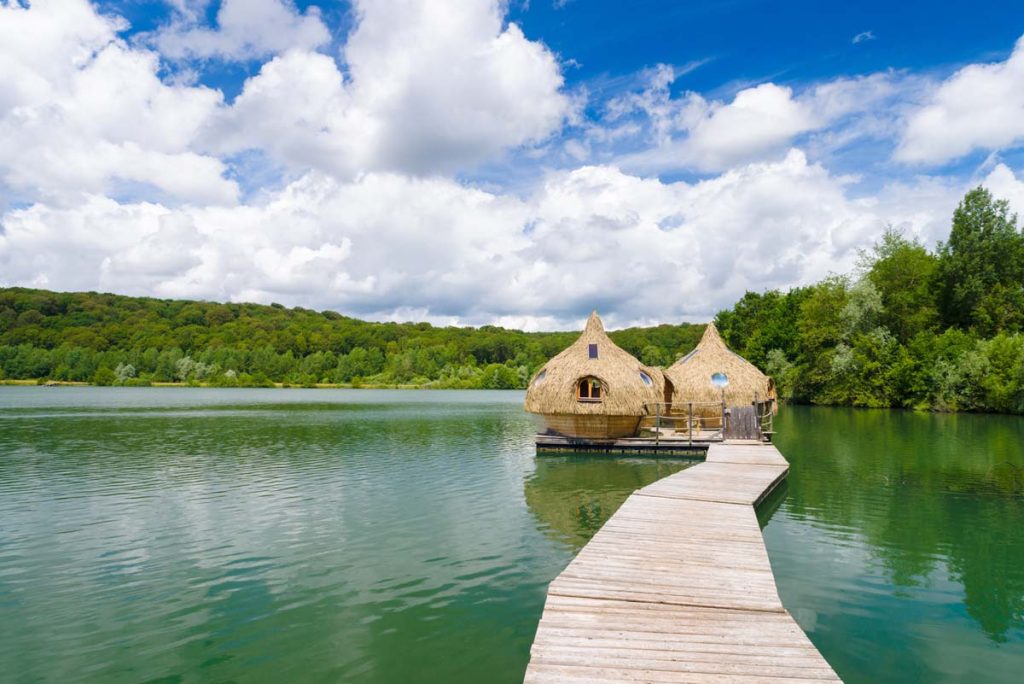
(691, 375)
(553, 389)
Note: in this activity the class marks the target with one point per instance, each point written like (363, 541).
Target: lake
(177, 534)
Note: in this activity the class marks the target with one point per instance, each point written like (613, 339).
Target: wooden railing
(701, 420)
(708, 421)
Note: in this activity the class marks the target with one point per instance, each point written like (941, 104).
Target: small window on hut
(646, 379)
(589, 389)
(593, 351)
(540, 377)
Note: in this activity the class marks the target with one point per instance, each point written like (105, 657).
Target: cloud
(761, 122)
(758, 120)
(119, 178)
(81, 112)
(1004, 184)
(386, 245)
(245, 29)
(427, 89)
(430, 87)
(979, 107)
(862, 37)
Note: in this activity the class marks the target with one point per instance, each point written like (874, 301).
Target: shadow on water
(771, 503)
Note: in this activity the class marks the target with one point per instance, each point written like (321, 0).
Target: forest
(937, 330)
(110, 339)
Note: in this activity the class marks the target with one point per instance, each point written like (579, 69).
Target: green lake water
(387, 536)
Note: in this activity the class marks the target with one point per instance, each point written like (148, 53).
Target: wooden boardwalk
(677, 587)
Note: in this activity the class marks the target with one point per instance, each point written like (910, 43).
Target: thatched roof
(691, 375)
(553, 389)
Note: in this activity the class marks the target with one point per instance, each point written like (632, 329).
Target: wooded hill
(113, 339)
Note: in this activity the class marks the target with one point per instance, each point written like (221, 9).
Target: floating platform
(697, 445)
(677, 587)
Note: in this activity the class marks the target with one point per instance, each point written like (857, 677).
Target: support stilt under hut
(594, 389)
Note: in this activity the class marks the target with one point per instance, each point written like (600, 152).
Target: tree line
(110, 339)
(939, 330)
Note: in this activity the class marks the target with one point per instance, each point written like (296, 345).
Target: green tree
(104, 376)
(903, 272)
(821, 327)
(654, 355)
(498, 376)
(981, 266)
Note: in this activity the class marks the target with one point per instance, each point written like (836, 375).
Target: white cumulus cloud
(388, 246)
(979, 107)
(761, 122)
(430, 87)
(81, 112)
(245, 29)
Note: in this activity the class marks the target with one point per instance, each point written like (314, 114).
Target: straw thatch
(552, 391)
(691, 375)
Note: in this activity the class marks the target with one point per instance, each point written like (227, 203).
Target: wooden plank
(721, 482)
(677, 587)
(756, 454)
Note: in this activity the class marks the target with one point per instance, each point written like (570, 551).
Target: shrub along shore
(939, 330)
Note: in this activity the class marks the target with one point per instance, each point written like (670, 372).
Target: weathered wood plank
(764, 454)
(720, 482)
(677, 587)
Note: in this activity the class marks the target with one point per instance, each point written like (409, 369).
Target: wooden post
(757, 416)
(689, 420)
(657, 423)
(723, 415)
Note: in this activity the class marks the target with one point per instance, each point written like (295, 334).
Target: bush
(104, 377)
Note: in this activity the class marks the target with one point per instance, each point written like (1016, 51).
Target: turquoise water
(900, 543)
(382, 536)
(283, 535)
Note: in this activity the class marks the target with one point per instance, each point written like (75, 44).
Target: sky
(471, 162)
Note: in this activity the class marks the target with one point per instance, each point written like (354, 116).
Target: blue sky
(474, 161)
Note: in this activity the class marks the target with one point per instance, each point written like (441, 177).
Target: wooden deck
(677, 587)
(699, 443)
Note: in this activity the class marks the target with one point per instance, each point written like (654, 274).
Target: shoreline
(276, 385)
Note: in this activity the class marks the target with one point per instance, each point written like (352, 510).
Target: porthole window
(589, 390)
(646, 379)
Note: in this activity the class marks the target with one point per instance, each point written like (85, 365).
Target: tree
(124, 371)
(653, 355)
(782, 371)
(903, 272)
(104, 376)
(822, 326)
(497, 376)
(981, 266)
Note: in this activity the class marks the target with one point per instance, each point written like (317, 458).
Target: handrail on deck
(675, 412)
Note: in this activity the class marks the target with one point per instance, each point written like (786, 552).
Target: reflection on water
(900, 545)
(573, 495)
(231, 535)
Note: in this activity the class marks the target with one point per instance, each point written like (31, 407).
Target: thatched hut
(594, 389)
(691, 376)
